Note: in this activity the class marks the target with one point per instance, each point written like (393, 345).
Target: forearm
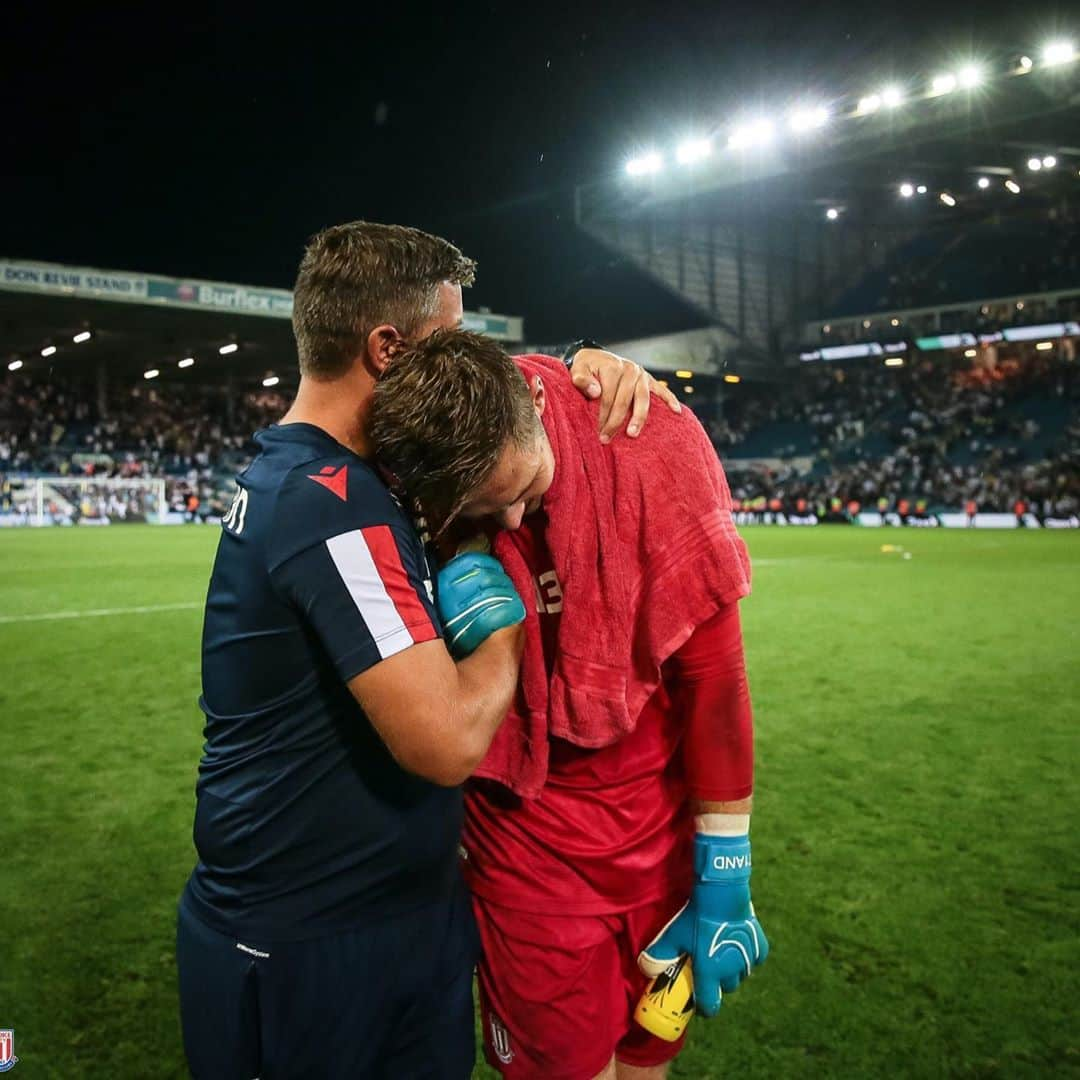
(711, 806)
(714, 698)
(486, 683)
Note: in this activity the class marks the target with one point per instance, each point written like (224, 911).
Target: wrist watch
(572, 350)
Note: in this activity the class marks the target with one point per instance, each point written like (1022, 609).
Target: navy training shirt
(304, 823)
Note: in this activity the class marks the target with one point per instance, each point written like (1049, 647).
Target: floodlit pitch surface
(915, 833)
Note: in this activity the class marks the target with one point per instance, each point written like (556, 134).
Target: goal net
(86, 500)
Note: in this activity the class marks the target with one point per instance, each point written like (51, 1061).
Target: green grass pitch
(915, 834)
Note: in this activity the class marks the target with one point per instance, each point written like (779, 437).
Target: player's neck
(339, 408)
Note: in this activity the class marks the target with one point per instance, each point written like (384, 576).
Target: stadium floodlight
(921, 189)
(756, 132)
(971, 353)
(869, 104)
(271, 380)
(684, 374)
(1058, 52)
(1024, 64)
(907, 190)
(970, 76)
(1034, 164)
(894, 322)
(230, 348)
(894, 361)
(826, 329)
(866, 324)
(1044, 346)
(1012, 186)
(943, 84)
(1049, 161)
(14, 365)
(691, 151)
(1019, 305)
(808, 118)
(151, 373)
(892, 97)
(731, 377)
(688, 389)
(48, 350)
(947, 199)
(983, 182)
(84, 335)
(645, 164)
(187, 362)
(832, 213)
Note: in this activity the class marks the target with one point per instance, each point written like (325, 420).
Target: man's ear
(383, 344)
(539, 395)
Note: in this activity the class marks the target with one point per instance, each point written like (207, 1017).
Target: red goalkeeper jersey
(612, 829)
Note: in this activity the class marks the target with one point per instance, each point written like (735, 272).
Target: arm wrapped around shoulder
(476, 598)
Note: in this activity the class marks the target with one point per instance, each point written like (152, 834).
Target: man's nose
(511, 517)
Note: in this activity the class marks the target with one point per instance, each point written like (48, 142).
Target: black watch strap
(572, 350)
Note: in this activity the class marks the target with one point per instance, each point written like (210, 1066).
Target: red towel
(642, 540)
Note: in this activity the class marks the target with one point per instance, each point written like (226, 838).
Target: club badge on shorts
(8, 1060)
(500, 1041)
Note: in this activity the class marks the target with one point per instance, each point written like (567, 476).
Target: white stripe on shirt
(352, 558)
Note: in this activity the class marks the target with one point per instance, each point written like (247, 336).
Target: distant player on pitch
(609, 834)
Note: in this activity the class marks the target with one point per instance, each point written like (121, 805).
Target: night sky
(210, 142)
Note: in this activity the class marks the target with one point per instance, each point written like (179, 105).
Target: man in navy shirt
(324, 931)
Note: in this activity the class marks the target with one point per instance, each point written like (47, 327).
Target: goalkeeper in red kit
(607, 831)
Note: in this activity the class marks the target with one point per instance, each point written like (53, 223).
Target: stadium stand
(944, 431)
(1000, 257)
(196, 437)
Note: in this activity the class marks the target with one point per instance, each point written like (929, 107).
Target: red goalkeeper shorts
(557, 994)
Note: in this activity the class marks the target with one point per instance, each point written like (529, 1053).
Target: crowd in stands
(942, 433)
(196, 437)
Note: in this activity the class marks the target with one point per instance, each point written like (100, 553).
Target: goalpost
(64, 500)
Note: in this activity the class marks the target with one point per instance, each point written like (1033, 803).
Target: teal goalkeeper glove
(717, 926)
(476, 598)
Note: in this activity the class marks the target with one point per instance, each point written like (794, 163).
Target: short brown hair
(442, 414)
(357, 275)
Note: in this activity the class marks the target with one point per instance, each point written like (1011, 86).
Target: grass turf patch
(914, 831)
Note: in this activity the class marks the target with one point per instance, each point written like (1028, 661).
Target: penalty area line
(93, 613)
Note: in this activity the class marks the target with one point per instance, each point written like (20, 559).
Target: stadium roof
(820, 147)
(134, 322)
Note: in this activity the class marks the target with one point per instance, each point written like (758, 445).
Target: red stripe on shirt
(399, 587)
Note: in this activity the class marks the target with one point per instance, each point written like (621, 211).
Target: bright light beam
(691, 151)
(1058, 52)
(970, 76)
(757, 132)
(808, 118)
(645, 165)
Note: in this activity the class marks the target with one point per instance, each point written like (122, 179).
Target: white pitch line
(148, 609)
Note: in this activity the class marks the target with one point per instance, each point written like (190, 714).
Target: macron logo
(334, 480)
(731, 862)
